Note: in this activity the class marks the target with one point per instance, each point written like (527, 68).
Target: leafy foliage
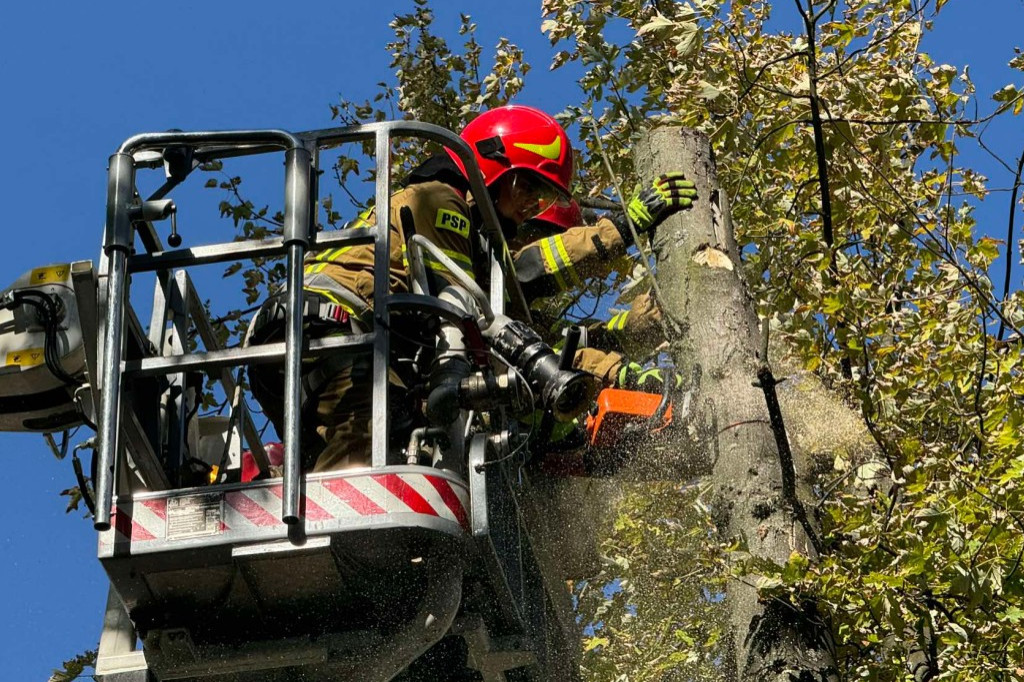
(838, 141)
(434, 83)
(74, 668)
(632, 608)
(839, 144)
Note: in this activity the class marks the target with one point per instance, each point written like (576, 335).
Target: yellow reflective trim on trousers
(560, 245)
(329, 255)
(552, 263)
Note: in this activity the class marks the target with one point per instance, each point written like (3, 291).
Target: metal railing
(124, 227)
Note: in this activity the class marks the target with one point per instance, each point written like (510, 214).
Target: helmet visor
(534, 194)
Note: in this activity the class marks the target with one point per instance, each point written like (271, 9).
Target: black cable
(47, 309)
(83, 485)
(82, 414)
(533, 421)
(94, 466)
(60, 451)
(51, 353)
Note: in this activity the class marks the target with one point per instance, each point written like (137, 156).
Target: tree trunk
(717, 339)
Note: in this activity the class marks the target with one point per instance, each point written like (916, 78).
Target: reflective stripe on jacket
(432, 209)
(562, 261)
(638, 328)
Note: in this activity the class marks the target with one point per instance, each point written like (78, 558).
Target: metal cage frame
(299, 236)
(480, 515)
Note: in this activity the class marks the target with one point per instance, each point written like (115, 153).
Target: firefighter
(562, 260)
(526, 161)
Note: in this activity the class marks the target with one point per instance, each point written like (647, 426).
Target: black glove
(668, 194)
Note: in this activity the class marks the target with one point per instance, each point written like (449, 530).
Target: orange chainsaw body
(617, 409)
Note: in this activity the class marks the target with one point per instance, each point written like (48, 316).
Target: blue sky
(78, 78)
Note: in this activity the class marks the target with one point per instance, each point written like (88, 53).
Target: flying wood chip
(712, 257)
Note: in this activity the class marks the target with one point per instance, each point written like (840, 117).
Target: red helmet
(515, 137)
(562, 216)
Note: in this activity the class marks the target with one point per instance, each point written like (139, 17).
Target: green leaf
(1012, 614)
(659, 24)
(766, 583)
(685, 638)
(831, 304)
(1006, 94)
(708, 91)
(72, 669)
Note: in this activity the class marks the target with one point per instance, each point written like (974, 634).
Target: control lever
(572, 341)
(159, 209)
(174, 239)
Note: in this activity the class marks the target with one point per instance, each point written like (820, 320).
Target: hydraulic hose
(48, 316)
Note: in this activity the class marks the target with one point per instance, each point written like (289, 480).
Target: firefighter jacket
(562, 261)
(638, 328)
(432, 209)
(434, 205)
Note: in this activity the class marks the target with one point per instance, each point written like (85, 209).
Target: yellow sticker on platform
(30, 357)
(51, 274)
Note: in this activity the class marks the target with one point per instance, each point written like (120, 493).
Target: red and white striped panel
(147, 522)
(259, 506)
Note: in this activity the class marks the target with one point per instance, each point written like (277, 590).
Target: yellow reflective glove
(668, 194)
(634, 377)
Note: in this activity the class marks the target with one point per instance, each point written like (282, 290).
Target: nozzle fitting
(564, 392)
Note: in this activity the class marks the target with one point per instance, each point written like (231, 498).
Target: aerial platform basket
(328, 576)
(215, 582)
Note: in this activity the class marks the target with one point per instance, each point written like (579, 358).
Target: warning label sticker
(50, 274)
(30, 357)
(194, 516)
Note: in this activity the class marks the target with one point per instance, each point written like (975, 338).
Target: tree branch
(760, 72)
(766, 382)
(823, 180)
(910, 211)
(1009, 238)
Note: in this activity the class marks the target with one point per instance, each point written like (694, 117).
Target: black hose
(47, 308)
(83, 484)
(51, 353)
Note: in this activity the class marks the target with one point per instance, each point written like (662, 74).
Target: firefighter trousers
(336, 426)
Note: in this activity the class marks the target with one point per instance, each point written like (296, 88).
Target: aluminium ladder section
(300, 160)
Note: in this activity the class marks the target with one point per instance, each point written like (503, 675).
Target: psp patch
(452, 221)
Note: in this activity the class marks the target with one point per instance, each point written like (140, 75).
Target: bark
(720, 335)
